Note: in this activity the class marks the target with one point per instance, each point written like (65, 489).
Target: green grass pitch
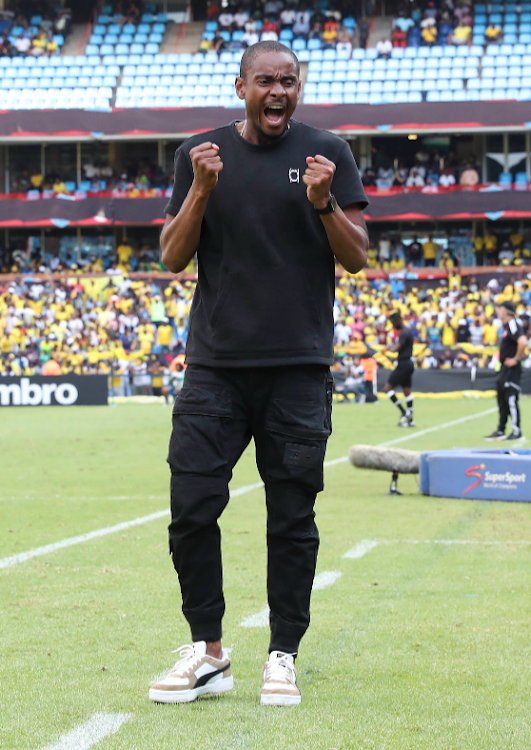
(416, 646)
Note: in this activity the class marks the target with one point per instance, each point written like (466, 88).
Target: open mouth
(274, 114)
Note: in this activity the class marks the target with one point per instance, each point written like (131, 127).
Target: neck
(253, 134)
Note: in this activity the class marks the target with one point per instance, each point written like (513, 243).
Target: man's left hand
(318, 179)
(510, 362)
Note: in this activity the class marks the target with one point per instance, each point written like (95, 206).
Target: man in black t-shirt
(415, 252)
(403, 372)
(266, 203)
(512, 349)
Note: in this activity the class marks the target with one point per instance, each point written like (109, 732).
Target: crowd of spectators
(426, 170)
(95, 326)
(100, 256)
(429, 23)
(33, 34)
(390, 253)
(454, 324)
(141, 180)
(99, 325)
(277, 20)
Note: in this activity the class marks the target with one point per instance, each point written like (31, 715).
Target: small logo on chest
(293, 175)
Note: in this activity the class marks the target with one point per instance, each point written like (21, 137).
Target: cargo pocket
(304, 419)
(201, 418)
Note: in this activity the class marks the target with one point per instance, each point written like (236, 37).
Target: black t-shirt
(509, 343)
(405, 345)
(266, 282)
(415, 250)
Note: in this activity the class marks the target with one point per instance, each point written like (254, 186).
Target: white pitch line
(360, 549)
(91, 732)
(259, 620)
(7, 562)
(479, 542)
(322, 581)
(325, 579)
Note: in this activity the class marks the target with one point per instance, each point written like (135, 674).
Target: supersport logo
(472, 471)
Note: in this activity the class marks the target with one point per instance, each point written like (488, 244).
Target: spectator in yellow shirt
(490, 333)
(36, 180)
(479, 249)
(430, 252)
(124, 253)
(461, 34)
(492, 32)
(59, 186)
(429, 34)
(165, 335)
(491, 248)
(397, 263)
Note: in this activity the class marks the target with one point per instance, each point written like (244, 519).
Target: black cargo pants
(287, 410)
(508, 391)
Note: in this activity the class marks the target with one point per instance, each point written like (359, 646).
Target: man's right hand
(207, 165)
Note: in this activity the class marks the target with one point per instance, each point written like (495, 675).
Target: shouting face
(271, 88)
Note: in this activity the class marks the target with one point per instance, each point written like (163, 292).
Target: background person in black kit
(255, 199)
(512, 349)
(403, 372)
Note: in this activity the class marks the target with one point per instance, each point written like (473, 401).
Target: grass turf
(415, 646)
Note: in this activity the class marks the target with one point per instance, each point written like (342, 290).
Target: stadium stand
(128, 325)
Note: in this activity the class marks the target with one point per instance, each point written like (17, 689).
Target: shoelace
(187, 654)
(282, 669)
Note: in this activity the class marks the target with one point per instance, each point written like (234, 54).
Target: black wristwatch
(329, 208)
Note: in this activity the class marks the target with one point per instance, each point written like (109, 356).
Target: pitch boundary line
(86, 735)
(21, 557)
(321, 581)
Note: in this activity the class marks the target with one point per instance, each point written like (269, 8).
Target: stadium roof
(106, 211)
(346, 119)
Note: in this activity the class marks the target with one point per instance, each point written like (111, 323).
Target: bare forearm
(180, 238)
(349, 242)
(521, 347)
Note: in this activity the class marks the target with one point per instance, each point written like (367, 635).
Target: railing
(86, 34)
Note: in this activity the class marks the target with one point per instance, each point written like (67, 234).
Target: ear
(299, 89)
(240, 88)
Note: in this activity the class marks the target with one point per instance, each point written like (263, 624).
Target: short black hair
(255, 50)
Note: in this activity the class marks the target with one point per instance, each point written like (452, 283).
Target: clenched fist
(318, 179)
(207, 165)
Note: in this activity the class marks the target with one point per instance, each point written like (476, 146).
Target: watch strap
(329, 208)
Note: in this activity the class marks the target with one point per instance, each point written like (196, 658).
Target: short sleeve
(346, 184)
(402, 338)
(183, 178)
(515, 329)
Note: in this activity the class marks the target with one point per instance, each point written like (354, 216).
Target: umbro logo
(293, 175)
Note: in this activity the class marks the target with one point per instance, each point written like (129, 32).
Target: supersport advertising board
(478, 474)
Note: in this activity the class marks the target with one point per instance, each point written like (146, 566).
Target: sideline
(86, 735)
(321, 581)
(21, 557)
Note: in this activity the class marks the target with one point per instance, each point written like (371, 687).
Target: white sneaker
(403, 421)
(280, 681)
(196, 673)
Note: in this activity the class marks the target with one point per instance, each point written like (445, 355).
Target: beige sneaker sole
(280, 700)
(187, 696)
